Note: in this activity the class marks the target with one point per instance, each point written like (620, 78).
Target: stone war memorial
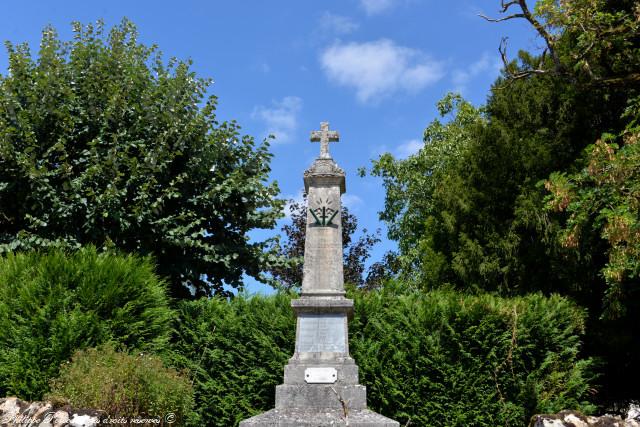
(321, 379)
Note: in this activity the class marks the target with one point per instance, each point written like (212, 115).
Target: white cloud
(408, 148)
(351, 201)
(281, 118)
(337, 24)
(461, 78)
(379, 68)
(373, 7)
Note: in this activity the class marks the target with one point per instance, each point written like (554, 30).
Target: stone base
(320, 396)
(318, 418)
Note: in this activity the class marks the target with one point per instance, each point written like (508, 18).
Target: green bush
(448, 359)
(52, 304)
(236, 352)
(437, 359)
(123, 385)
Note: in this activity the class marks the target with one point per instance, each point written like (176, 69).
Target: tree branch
(525, 13)
(633, 79)
(506, 18)
(507, 5)
(548, 38)
(505, 62)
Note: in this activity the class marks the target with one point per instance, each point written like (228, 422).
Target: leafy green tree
(102, 142)
(415, 188)
(602, 199)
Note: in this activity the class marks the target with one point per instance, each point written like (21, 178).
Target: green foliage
(52, 304)
(469, 360)
(604, 199)
(471, 210)
(418, 217)
(598, 39)
(103, 143)
(235, 351)
(438, 358)
(123, 385)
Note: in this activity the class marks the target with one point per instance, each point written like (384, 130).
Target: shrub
(123, 385)
(52, 304)
(448, 359)
(236, 351)
(438, 359)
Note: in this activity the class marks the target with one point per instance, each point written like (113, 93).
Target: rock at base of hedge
(576, 419)
(15, 412)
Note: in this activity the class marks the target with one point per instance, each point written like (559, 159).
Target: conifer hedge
(54, 303)
(436, 359)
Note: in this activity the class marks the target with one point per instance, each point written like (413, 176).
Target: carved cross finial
(324, 136)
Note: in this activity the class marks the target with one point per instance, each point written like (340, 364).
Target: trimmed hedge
(236, 351)
(52, 304)
(448, 359)
(437, 359)
(440, 358)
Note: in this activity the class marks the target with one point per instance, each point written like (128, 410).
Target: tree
(468, 209)
(578, 36)
(355, 252)
(601, 200)
(102, 142)
(414, 210)
(53, 304)
(536, 190)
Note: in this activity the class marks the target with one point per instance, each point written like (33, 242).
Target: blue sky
(373, 68)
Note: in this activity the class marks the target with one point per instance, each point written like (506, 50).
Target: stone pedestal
(321, 385)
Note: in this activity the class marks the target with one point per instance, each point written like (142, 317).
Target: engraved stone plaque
(321, 333)
(320, 375)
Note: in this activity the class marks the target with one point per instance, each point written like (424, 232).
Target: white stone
(9, 410)
(577, 422)
(633, 413)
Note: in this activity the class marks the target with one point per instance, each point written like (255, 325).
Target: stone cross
(324, 136)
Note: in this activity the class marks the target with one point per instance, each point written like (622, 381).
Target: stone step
(326, 418)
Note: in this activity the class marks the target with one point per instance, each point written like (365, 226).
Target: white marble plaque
(320, 375)
(321, 333)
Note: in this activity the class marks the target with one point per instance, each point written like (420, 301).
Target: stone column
(321, 379)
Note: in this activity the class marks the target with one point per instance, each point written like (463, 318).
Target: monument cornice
(324, 172)
(323, 305)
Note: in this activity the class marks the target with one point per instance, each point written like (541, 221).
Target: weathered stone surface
(321, 332)
(314, 418)
(15, 412)
(321, 396)
(576, 419)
